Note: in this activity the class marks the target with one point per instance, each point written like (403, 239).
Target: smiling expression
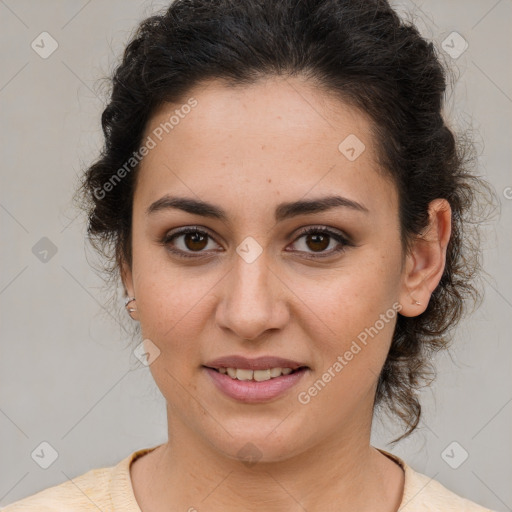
(254, 235)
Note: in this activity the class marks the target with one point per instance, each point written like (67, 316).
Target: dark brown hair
(362, 52)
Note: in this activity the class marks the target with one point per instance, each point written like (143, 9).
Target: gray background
(67, 372)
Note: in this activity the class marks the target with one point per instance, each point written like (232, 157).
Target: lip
(258, 363)
(253, 391)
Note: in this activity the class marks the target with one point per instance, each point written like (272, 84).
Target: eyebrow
(282, 212)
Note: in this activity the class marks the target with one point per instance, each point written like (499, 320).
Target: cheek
(350, 356)
(171, 301)
(356, 310)
(173, 314)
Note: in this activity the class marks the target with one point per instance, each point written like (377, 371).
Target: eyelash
(307, 231)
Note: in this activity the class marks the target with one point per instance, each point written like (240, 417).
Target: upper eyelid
(298, 232)
(188, 229)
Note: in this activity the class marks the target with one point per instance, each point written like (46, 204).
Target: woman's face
(266, 157)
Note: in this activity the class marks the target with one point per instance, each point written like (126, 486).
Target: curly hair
(368, 57)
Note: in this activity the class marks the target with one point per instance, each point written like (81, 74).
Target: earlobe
(426, 261)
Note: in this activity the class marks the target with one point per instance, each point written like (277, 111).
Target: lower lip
(250, 391)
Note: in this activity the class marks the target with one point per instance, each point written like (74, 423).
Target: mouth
(259, 386)
(254, 380)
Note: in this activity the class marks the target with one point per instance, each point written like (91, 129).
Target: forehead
(284, 136)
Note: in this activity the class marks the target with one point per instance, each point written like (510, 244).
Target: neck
(344, 470)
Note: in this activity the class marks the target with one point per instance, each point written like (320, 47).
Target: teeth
(275, 372)
(261, 375)
(257, 375)
(244, 374)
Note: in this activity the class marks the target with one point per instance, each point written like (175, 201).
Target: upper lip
(257, 363)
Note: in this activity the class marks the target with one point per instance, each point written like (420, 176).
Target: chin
(259, 442)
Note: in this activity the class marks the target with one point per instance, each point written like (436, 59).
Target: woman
(285, 207)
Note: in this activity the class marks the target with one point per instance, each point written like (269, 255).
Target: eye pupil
(318, 238)
(195, 238)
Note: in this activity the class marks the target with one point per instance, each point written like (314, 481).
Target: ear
(426, 261)
(127, 280)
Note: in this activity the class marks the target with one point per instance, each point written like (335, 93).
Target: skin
(247, 150)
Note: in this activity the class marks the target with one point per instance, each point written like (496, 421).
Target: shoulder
(83, 493)
(424, 494)
(107, 489)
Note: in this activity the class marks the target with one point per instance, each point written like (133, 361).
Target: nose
(253, 300)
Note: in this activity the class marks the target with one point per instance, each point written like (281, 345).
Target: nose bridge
(250, 304)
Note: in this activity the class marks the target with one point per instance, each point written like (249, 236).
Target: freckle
(269, 180)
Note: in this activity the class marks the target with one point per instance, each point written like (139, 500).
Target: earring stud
(126, 302)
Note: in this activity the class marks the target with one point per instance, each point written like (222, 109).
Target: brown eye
(318, 239)
(188, 241)
(195, 241)
(317, 242)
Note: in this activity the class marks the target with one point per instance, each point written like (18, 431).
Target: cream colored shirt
(110, 489)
